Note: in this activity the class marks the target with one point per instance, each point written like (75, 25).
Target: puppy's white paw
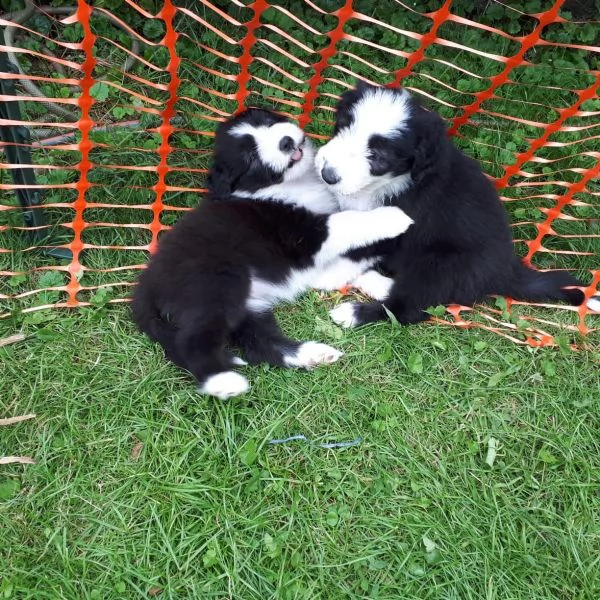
(344, 314)
(594, 303)
(225, 385)
(391, 221)
(374, 284)
(238, 362)
(311, 354)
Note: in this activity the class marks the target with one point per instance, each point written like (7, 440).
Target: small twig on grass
(12, 339)
(12, 420)
(23, 460)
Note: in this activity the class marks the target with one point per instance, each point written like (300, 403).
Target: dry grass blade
(13, 420)
(23, 460)
(12, 339)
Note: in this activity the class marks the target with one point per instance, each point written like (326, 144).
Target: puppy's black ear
(219, 181)
(432, 141)
(362, 86)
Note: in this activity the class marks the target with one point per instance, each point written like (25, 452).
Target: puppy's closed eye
(379, 162)
(380, 155)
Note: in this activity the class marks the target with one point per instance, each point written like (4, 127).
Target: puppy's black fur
(460, 249)
(192, 296)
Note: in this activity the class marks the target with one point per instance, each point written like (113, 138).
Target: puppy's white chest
(338, 273)
(266, 294)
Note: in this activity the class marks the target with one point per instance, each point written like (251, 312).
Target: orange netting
(136, 89)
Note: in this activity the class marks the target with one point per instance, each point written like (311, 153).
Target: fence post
(15, 140)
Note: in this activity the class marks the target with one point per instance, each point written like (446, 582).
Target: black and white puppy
(264, 235)
(388, 150)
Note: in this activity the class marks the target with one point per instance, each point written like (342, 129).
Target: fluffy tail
(538, 286)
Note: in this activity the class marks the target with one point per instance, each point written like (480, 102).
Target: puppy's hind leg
(428, 281)
(261, 341)
(201, 342)
(355, 314)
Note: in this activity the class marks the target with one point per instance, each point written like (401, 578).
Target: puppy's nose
(286, 144)
(329, 175)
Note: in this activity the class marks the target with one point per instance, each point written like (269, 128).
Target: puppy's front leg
(373, 284)
(351, 229)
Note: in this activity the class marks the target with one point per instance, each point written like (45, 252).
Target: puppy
(264, 235)
(387, 150)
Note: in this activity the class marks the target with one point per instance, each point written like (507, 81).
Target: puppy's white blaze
(267, 141)
(594, 304)
(352, 229)
(311, 354)
(378, 112)
(225, 385)
(374, 284)
(344, 315)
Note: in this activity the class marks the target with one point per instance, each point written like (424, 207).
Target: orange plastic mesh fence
(136, 89)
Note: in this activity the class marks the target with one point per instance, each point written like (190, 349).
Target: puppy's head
(256, 149)
(383, 140)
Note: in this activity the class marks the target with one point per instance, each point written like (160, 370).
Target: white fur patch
(374, 284)
(333, 276)
(375, 193)
(344, 315)
(594, 304)
(301, 186)
(378, 112)
(347, 231)
(266, 294)
(350, 229)
(336, 274)
(309, 192)
(340, 273)
(303, 170)
(311, 354)
(238, 362)
(267, 141)
(225, 385)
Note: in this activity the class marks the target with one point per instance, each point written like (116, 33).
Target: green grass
(477, 475)
(210, 510)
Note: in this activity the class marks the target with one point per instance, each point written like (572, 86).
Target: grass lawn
(142, 485)
(477, 474)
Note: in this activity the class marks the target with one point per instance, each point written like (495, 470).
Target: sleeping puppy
(388, 150)
(265, 234)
